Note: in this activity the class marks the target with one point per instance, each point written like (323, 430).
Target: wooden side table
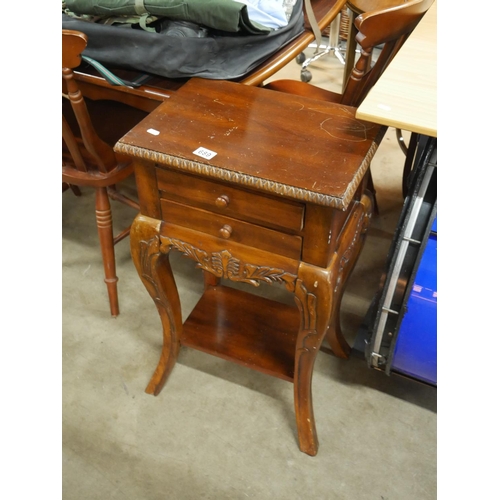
(257, 187)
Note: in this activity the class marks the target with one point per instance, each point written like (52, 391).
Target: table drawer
(227, 200)
(232, 230)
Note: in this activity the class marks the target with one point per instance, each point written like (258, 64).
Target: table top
(405, 96)
(259, 139)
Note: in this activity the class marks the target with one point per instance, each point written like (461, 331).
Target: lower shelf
(249, 330)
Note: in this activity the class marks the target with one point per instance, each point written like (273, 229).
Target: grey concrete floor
(218, 430)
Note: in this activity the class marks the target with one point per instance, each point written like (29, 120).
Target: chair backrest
(96, 152)
(388, 27)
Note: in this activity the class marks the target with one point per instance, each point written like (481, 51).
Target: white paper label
(204, 153)
(153, 131)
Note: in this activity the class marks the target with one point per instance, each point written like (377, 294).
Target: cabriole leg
(318, 294)
(314, 298)
(348, 252)
(153, 265)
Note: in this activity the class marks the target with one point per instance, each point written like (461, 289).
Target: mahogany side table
(256, 187)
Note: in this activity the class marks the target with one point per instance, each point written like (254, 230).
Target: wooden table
(405, 97)
(157, 89)
(280, 202)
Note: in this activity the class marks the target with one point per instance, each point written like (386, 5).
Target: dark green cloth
(224, 15)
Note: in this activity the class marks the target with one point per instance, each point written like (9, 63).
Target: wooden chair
(149, 95)
(88, 160)
(388, 27)
(355, 8)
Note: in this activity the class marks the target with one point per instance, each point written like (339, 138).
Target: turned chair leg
(105, 230)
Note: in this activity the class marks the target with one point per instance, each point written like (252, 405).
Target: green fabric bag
(224, 15)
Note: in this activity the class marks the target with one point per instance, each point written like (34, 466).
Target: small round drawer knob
(225, 231)
(222, 201)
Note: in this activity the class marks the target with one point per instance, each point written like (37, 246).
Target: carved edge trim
(224, 265)
(251, 181)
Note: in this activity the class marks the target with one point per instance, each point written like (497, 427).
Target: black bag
(218, 56)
